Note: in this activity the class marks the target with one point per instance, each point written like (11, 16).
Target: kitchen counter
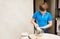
(47, 36)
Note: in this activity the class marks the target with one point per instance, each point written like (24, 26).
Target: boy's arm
(33, 22)
(47, 26)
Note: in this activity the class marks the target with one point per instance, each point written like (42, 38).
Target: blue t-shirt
(42, 20)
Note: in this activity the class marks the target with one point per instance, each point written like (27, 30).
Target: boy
(42, 17)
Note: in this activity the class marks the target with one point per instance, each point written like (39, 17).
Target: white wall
(15, 18)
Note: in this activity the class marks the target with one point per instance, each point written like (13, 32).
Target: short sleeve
(49, 17)
(34, 15)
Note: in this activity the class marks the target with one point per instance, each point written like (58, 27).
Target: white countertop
(49, 36)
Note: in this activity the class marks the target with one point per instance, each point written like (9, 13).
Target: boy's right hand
(36, 25)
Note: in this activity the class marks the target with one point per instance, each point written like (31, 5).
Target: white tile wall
(15, 18)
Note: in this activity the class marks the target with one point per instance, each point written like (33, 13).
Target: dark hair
(43, 6)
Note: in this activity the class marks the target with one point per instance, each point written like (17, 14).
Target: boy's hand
(36, 25)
